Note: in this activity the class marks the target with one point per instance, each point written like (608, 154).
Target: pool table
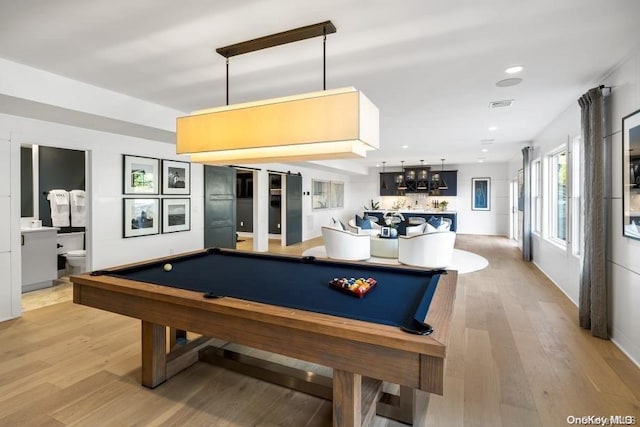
(284, 305)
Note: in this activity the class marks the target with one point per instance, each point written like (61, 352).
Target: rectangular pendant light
(331, 124)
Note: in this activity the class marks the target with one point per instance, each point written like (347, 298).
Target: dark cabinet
(418, 180)
(451, 178)
(388, 184)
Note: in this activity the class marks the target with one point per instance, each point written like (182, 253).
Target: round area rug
(462, 261)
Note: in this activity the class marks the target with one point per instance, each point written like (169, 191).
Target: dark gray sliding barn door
(294, 209)
(219, 207)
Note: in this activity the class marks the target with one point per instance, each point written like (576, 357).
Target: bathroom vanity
(39, 257)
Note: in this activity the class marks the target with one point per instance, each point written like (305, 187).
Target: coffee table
(384, 247)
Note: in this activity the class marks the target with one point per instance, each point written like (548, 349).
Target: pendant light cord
(227, 81)
(324, 60)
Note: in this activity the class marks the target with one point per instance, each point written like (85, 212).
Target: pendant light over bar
(383, 185)
(402, 183)
(422, 177)
(330, 124)
(442, 184)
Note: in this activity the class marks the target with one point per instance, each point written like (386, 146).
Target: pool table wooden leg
(347, 399)
(154, 354)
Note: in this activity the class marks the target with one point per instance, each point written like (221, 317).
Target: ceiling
(430, 66)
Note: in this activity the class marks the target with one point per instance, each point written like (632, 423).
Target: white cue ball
(167, 267)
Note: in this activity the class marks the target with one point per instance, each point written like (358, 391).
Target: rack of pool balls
(356, 287)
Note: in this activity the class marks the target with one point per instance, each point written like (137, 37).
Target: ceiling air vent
(499, 104)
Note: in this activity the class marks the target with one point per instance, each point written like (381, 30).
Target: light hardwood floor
(516, 358)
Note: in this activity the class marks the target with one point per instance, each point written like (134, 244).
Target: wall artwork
(176, 177)
(481, 194)
(141, 175)
(631, 175)
(140, 217)
(176, 215)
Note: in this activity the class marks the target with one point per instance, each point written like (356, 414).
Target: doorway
(514, 217)
(42, 169)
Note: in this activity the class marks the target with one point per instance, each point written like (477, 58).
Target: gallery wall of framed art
(170, 180)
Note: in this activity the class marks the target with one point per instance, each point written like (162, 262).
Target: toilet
(71, 246)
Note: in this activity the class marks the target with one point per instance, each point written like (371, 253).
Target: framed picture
(481, 194)
(176, 215)
(631, 175)
(176, 177)
(385, 232)
(141, 175)
(140, 217)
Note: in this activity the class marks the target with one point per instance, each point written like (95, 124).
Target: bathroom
(53, 237)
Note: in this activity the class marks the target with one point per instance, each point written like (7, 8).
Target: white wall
(107, 246)
(493, 222)
(9, 239)
(312, 220)
(558, 263)
(624, 264)
(40, 86)
(105, 243)
(29, 92)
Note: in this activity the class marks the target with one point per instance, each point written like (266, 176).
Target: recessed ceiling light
(514, 70)
(405, 146)
(492, 128)
(378, 165)
(509, 82)
(480, 160)
(485, 150)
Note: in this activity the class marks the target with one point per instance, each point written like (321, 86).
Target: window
(337, 194)
(577, 212)
(321, 195)
(327, 194)
(558, 193)
(536, 196)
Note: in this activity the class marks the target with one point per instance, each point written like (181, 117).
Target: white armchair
(412, 230)
(373, 231)
(430, 250)
(346, 245)
(444, 226)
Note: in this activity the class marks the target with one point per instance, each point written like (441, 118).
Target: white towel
(78, 208)
(59, 201)
(77, 197)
